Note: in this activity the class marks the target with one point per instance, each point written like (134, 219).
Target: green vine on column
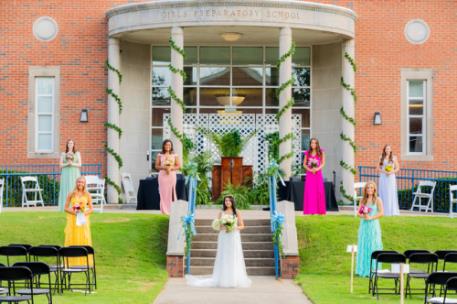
(283, 86)
(114, 127)
(186, 142)
(352, 121)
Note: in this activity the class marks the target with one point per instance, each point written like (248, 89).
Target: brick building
(53, 54)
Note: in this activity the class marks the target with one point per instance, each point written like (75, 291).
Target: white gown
(388, 192)
(229, 267)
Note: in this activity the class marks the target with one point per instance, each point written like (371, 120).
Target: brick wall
(80, 51)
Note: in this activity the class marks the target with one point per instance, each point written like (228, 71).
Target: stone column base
(175, 266)
(289, 266)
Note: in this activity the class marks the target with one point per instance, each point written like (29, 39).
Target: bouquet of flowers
(364, 210)
(228, 221)
(80, 218)
(168, 163)
(389, 168)
(69, 156)
(313, 163)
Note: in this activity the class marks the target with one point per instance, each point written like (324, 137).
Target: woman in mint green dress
(70, 162)
(370, 210)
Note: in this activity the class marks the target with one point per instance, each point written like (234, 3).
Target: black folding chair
(428, 260)
(374, 256)
(408, 253)
(450, 258)
(38, 269)
(440, 279)
(442, 253)
(14, 251)
(13, 275)
(91, 252)
(26, 246)
(44, 254)
(66, 253)
(388, 258)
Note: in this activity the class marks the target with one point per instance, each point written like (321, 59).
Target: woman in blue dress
(387, 167)
(70, 162)
(370, 210)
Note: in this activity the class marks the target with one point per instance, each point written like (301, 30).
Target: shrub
(242, 195)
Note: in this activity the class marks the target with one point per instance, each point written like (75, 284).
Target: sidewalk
(265, 290)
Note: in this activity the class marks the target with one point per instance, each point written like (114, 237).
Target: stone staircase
(256, 241)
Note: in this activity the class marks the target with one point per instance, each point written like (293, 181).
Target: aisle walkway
(264, 289)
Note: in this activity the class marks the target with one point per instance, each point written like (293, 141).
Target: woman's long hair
(364, 199)
(384, 155)
(163, 146)
(232, 199)
(74, 146)
(318, 147)
(76, 190)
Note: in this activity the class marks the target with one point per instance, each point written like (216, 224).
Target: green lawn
(325, 265)
(130, 252)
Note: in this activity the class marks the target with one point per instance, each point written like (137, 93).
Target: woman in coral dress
(167, 163)
(76, 232)
(314, 194)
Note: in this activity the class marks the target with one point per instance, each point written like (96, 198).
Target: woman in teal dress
(70, 162)
(370, 210)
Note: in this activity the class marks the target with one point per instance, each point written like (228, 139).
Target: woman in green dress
(70, 162)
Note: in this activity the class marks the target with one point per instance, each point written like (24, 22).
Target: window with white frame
(44, 114)
(416, 121)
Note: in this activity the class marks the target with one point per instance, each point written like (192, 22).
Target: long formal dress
(388, 191)
(78, 235)
(229, 267)
(167, 184)
(68, 179)
(314, 193)
(369, 240)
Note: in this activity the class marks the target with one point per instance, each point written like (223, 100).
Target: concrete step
(205, 244)
(211, 253)
(252, 271)
(245, 237)
(247, 222)
(250, 262)
(248, 229)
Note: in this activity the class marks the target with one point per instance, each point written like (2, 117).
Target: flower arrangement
(389, 168)
(69, 156)
(228, 221)
(313, 163)
(168, 163)
(79, 209)
(364, 210)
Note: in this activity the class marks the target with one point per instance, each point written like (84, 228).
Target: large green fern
(229, 144)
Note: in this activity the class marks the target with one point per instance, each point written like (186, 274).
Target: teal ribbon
(274, 171)
(278, 219)
(189, 222)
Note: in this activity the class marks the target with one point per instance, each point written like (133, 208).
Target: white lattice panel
(256, 151)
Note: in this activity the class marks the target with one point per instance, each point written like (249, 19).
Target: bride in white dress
(387, 167)
(229, 267)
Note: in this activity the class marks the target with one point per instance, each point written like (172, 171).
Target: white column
(177, 61)
(113, 117)
(348, 104)
(285, 121)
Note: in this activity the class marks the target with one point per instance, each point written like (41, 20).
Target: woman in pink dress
(167, 163)
(314, 194)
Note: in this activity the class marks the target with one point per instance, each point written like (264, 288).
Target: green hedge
(13, 186)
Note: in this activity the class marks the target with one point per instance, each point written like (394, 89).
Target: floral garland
(186, 142)
(114, 127)
(352, 121)
(283, 86)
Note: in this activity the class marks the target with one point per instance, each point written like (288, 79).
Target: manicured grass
(130, 252)
(325, 265)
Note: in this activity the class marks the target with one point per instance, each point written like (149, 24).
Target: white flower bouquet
(228, 221)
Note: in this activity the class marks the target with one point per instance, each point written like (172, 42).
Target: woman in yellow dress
(77, 233)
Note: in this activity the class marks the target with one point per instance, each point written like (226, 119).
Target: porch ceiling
(211, 35)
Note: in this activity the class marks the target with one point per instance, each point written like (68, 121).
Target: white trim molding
(408, 74)
(35, 72)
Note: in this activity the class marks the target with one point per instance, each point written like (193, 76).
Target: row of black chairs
(60, 267)
(424, 259)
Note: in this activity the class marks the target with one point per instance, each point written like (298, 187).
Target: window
(416, 114)
(44, 102)
(43, 133)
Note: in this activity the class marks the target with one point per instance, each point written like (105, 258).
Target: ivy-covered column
(286, 49)
(348, 121)
(177, 80)
(113, 142)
